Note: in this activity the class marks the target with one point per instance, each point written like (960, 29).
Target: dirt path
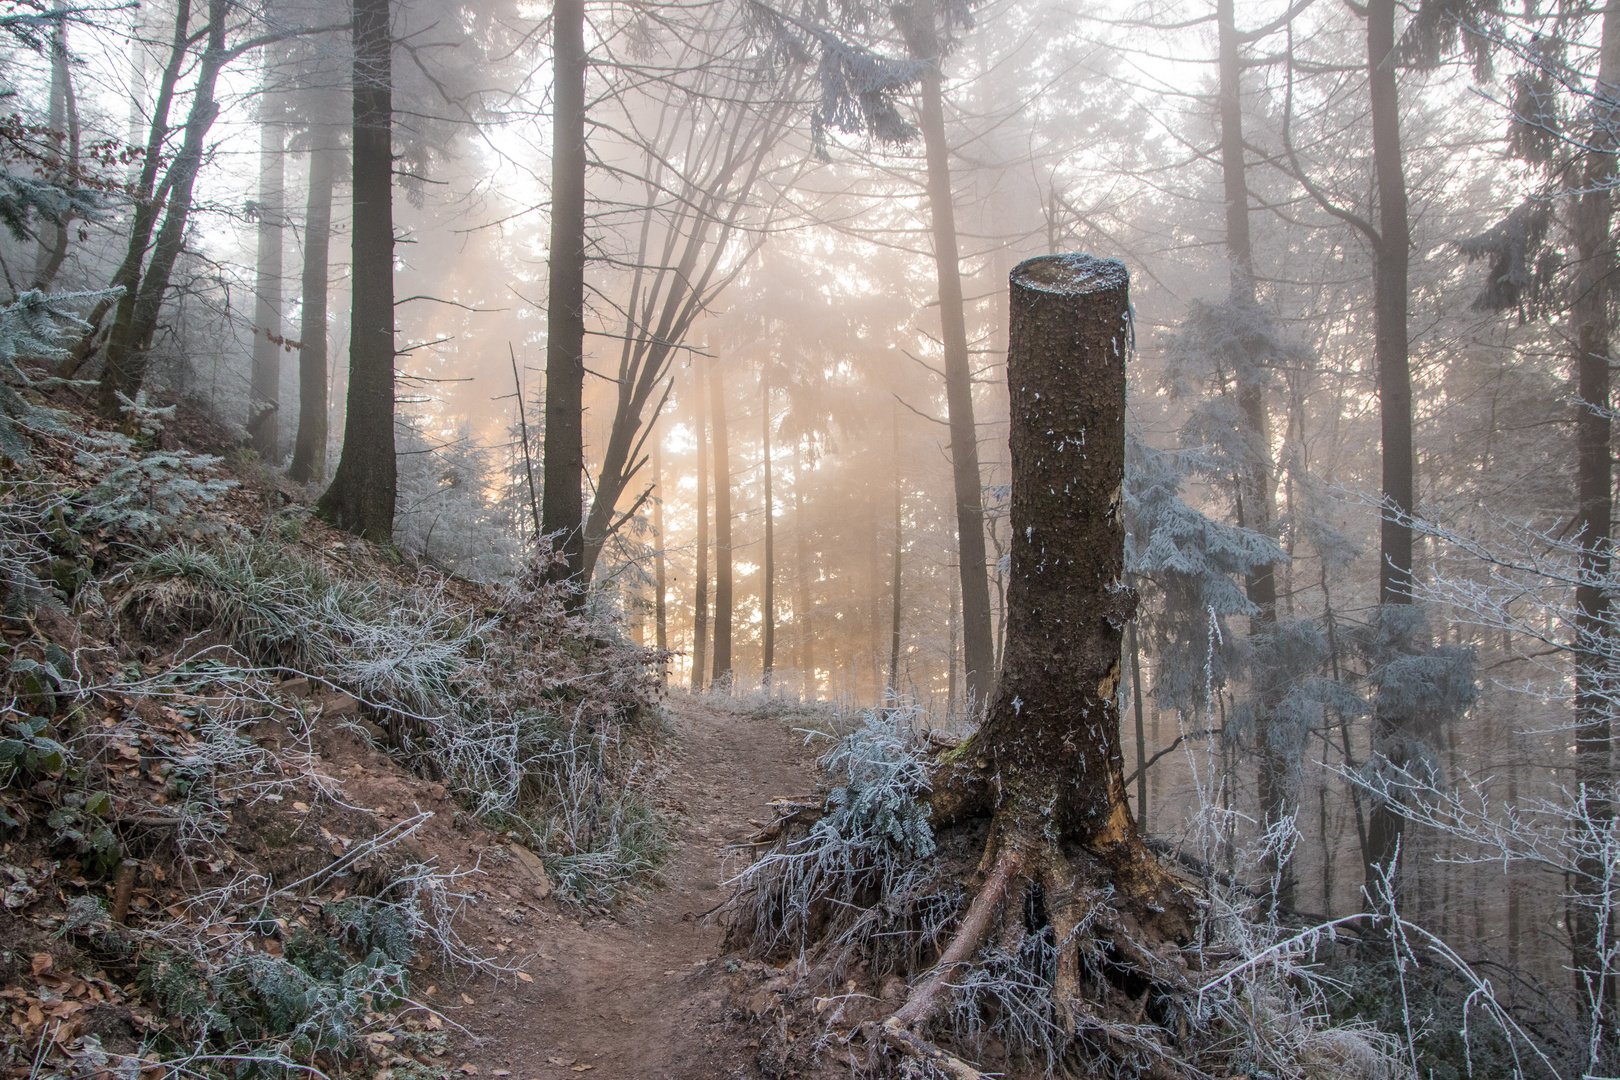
(635, 997)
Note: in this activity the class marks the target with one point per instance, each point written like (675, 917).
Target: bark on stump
(1046, 766)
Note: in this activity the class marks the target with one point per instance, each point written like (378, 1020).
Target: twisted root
(997, 912)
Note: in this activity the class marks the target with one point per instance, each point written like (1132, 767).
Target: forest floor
(230, 854)
(647, 993)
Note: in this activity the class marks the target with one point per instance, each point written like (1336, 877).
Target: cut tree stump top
(1071, 275)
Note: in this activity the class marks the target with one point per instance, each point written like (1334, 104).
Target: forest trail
(637, 996)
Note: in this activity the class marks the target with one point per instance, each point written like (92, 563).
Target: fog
(774, 319)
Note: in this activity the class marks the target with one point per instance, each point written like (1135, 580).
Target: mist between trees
(710, 300)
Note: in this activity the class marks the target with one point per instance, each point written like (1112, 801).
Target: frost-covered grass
(406, 646)
(527, 741)
(255, 980)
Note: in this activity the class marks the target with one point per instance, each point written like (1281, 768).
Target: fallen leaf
(468, 1000)
(561, 1061)
(42, 963)
(582, 1068)
(469, 1069)
(524, 976)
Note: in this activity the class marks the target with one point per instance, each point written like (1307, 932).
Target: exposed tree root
(1110, 920)
(922, 1050)
(924, 997)
(1121, 910)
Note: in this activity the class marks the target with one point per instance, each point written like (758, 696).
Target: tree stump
(1046, 766)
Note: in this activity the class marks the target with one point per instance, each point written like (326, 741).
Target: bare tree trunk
(147, 205)
(895, 594)
(919, 25)
(1141, 731)
(1257, 499)
(768, 602)
(1593, 920)
(264, 397)
(1391, 253)
(804, 631)
(700, 586)
(64, 124)
(136, 317)
(309, 447)
(562, 508)
(361, 498)
(660, 613)
(722, 673)
(954, 632)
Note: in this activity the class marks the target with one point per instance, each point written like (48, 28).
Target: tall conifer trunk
(768, 599)
(919, 23)
(804, 628)
(361, 498)
(264, 397)
(895, 583)
(1257, 491)
(1141, 731)
(64, 124)
(562, 505)
(953, 633)
(1390, 259)
(722, 532)
(700, 583)
(1591, 922)
(660, 571)
(309, 446)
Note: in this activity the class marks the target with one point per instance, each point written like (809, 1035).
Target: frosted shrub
(864, 880)
(883, 770)
(149, 495)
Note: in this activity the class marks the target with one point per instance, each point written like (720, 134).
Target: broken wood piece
(916, 1047)
(788, 812)
(124, 889)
